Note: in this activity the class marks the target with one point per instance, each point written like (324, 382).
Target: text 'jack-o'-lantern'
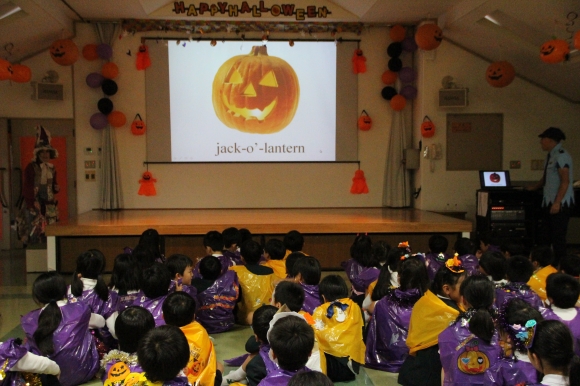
(256, 93)
(427, 128)
(554, 51)
(500, 74)
(428, 36)
(472, 361)
(138, 126)
(64, 52)
(364, 121)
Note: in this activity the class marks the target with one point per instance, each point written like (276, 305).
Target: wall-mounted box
(47, 91)
(453, 97)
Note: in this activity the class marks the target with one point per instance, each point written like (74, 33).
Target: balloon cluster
(104, 79)
(18, 73)
(406, 75)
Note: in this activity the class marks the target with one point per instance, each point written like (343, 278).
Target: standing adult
(39, 187)
(558, 192)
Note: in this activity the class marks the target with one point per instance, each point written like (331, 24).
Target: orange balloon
(110, 70)
(5, 70)
(554, 51)
(21, 73)
(428, 36)
(389, 77)
(577, 40)
(117, 119)
(397, 33)
(90, 52)
(398, 102)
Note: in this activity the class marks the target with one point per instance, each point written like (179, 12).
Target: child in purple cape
(163, 354)
(362, 253)
(465, 249)
(470, 346)
(513, 247)
(437, 255)
(485, 243)
(60, 330)
(494, 266)
(151, 239)
(217, 295)
(15, 359)
(519, 271)
(514, 367)
(155, 287)
(131, 326)
(213, 242)
(308, 274)
(181, 269)
(386, 347)
(232, 241)
(125, 280)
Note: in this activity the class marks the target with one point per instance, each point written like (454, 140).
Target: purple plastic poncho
(280, 377)
(386, 347)
(177, 381)
(367, 275)
(225, 262)
(10, 353)
(465, 357)
(470, 263)
(127, 300)
(154, 306)
(352, 268)
(311, 298)
(269, 363)
(434, 261)
(215, 305)
(509, 372)
(116, 356)
(74, 348)
(188, 289)
(573, 325)
(235, 257)
(517, 290)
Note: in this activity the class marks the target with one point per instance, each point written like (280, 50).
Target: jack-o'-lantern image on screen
(495, 178)
(256, 93)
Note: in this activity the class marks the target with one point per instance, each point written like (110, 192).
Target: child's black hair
(413, 274)
(333, 287)
(519, 269)
(570, 264)
(90, 265)
(464, 246)
(394, 258)
(310, 378)
(48, 288)
(214, 240)
(543, 254)
(131, 325)
(177, 264)
(245, 235)
(210, 268)
(251, 251)
(144, 256)
(125, 275)
(479, 292)
(293, 241)
(383, 283)
(289, 293)
(484, 237)
(513, 247)
(494, 264)
(381, 251)
(563, 290)
(163, 353)
(438, 244)
(231, 236)
(291, 263)
(261, 321)
(179, 309)
(518, 312)
(291, 340)
(361, 251)
(155, 281)
(151, 239)
(445, 276)
(275, 248)
(309, 269)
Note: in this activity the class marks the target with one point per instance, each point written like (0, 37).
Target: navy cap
(553, 133)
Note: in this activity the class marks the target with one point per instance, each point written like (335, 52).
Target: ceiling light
(8, 9)
(494, 21)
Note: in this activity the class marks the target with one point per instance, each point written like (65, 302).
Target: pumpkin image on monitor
(256, 93)
(495, 178)
(472, 361)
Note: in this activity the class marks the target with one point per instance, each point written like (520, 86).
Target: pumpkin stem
(259, 51)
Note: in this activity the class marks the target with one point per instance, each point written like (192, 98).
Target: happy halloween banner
(222, 8)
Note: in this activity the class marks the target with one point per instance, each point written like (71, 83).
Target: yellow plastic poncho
(256, 290)
(538, 281)
(201, 368)
(430, 316)
(279, 267)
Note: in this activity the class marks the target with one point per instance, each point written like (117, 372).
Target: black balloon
(105, 105)
(388, 92)
(395, 65)
(110, 87)
(394, 50)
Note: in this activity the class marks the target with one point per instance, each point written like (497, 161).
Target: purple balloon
(99, 121)
(409, 44)
(104, 51)
(407, 75)
(94, 79)
(409, 92)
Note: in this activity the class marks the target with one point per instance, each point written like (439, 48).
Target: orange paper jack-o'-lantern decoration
(554, 51)
(427, 127)
(398, 102)
(138, 126)
(117, 119)
(428, 36)
(397, 33)
(90, 52)
(500, 74)
(364, 121)
(110, 70)
(256, 93)
(389, 77)
(118, 372)
(21, 73)
(64, 52)
(6, 70)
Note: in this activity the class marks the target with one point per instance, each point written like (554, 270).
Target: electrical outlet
(90, 164)
(90, 175)
(515, 164)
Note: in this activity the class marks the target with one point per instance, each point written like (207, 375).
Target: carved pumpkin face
(428, 36)
(118, 372)
(472, 361)
(554, 51)
(500, 74)
(256, 93)
(427, 129)
(138, 127)
(365, 122)
(147, 176)
(64, 52)
(6, 71)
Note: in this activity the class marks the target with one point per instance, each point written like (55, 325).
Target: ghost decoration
(143, 61)
(359, 183)
(359, 65)
(147, 187)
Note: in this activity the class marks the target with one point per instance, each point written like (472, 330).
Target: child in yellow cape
(274, 252)
(541, 257)
(430, 316)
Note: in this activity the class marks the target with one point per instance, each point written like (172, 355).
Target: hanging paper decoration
(104, 51)
(407, 75)
(94, 79)
(90, 52)
(398, 102)
(554, 51)
(143, 61)
(64, 52)
(21, 73)
(110, 70)
(147, 183)
(364, 121)
(388, 92)
(409, 44)
(117, 119)
(6, 70)
(397, 33)
(359, 62)
(389, 77)
(394, 50)
(428, 36)
(395, 64)
(138, 126)
(427, 127)
(500, 74)
(408, 92)
(98, 121)
(105, 106)
(109, 87)
(359, 183)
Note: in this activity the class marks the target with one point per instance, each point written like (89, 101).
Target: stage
(328, 232)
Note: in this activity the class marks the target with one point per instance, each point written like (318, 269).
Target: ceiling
(513, 30)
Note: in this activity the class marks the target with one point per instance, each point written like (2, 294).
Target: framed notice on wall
(474, 141)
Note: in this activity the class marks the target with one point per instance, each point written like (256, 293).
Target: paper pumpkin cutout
(359, 65)
(427, 127)
(64, 52)
(138, 126)
(143, 60)
(428, 36)
(359, 183)
(364, 121)
(147, 187)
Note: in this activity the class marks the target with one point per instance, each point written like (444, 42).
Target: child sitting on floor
(155, 287)
(125, 280)
(362, 253)
(541, 258)
(232, 241)
(465, 249)
(274, 253)
(494, 266)
(293, 242)
(437, 255)
(308, 275)
(181, 270)
(519, 271)
(290, 261)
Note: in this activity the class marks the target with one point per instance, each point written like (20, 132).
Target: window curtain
(396, 191)
(111, 193)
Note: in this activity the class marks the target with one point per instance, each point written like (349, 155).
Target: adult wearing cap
(38, 191)
(558, 192)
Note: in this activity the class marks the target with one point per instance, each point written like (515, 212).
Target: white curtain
(397, 189)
